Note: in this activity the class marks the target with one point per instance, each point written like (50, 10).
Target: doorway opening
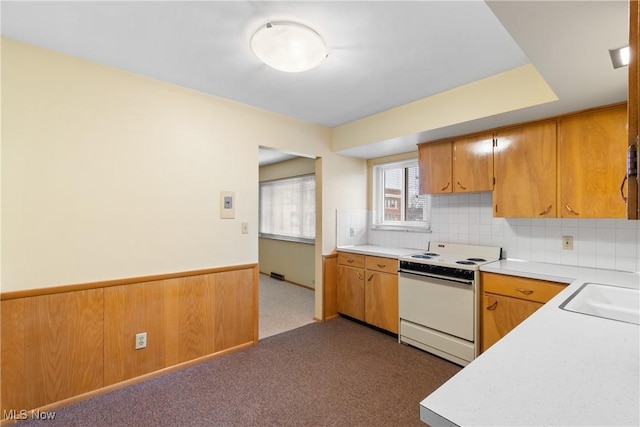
(286, 241)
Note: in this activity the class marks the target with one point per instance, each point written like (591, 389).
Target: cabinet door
(633, 189)
(501, 314)
(593, 166)
(381, 300)
(525, 171)
(434, 162)
(473, 164)
(350, 292)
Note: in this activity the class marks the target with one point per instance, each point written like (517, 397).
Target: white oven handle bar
(436, 276)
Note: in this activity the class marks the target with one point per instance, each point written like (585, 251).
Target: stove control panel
(440, 270)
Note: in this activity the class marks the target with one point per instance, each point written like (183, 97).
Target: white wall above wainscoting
(467, 218)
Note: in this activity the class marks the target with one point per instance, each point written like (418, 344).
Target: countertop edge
(375, 250)
(528, 344)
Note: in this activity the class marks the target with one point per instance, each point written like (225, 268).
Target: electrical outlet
(141, 340)
(567, 243)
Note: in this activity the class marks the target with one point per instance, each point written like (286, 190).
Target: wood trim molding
(118, 282)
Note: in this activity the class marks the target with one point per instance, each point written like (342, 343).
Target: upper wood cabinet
(525, 171)
(435, 161)
(461, 166)
(592, 164)
(573, 166)
(473, 164)
(633, 187)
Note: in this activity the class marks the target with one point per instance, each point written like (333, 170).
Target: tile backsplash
(468, 218)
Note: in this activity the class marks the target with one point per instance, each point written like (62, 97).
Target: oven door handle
(435, 276)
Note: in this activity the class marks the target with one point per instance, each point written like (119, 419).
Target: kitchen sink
(606, 301)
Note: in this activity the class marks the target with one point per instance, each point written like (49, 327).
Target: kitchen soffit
(381, 54)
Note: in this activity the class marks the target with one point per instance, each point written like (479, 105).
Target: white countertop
(375, 250)
(555, 368)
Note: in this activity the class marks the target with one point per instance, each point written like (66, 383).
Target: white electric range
(438, 299)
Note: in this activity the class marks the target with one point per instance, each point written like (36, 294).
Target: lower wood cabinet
(351, 291)
(368, 289)
(501, 314)
(381, 300)
(509, 300)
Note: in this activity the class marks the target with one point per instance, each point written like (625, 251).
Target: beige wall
(294, 167)
(107, 174)
(508, 91)
(294, 260)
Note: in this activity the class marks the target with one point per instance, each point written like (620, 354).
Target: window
(288, 209)
(396, 198)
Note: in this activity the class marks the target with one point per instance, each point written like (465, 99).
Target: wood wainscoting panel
(63, 338)
(128, 310)
(12, 370)
(57, 346)
(236, 299)
(189, 320)
(330, 286)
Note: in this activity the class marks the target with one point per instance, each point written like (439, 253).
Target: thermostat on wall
(227, 204)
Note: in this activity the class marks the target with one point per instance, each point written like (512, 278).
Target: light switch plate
(227, 204)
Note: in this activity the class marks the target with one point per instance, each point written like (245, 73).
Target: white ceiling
(381, 54)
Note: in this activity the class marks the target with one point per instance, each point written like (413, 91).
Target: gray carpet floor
(283, 306)
(336, 373)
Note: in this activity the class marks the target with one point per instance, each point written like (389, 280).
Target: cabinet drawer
(520, 287)
(354, 260)
(386, 265)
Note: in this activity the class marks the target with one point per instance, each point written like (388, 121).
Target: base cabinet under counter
(507, 301)
(368, 289)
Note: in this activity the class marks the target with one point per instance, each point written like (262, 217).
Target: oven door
(446, 305)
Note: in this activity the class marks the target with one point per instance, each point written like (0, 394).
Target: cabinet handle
(571, 211)
(350, 260)
(460, 185)
(493, 306)
(360, 276)
(445, 187)
(624, 180)
(381, 265)
(370, 277)
(546, 211)
(525, 291)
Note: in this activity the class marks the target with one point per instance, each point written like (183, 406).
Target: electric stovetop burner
(426, 255)
(440, 256)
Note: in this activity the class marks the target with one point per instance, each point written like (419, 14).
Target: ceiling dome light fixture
(288, 46)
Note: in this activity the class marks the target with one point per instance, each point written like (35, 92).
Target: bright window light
(620, 56)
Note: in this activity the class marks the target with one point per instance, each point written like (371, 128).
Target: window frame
(379, 199)
(285, 237)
